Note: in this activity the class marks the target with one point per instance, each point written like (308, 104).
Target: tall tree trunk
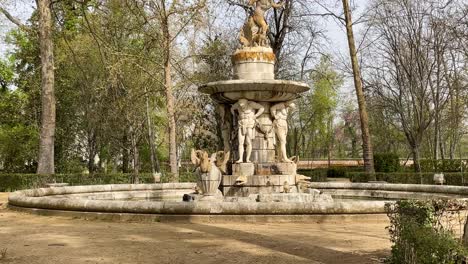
(366, 138)
(92, 150)
(416, 157)
(170, 102)
(154, 160)
(47, 138)
(125, 158)
(136, 160)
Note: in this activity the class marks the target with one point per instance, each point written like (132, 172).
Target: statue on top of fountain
(254, 31)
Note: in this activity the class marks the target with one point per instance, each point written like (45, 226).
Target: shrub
(418, 237)
(336, 173)
(443, 165)
(13, 182)
(319, 175)
(386, 162)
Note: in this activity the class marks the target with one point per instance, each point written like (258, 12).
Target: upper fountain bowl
(254, 90)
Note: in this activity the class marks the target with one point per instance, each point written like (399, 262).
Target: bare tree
(410, 50)
(166, 12)
(366, 137)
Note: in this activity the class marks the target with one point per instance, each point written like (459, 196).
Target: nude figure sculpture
(248, 111)
(280, 114)
(255, 28)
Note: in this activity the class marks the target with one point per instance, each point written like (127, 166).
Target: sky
(335, 32)
(22, 9)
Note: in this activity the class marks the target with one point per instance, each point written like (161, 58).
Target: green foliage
(18, 157)
(316, 111)
(18, 139)
(6, 75)
(13, 182)
(451, 178)
(443, 165)
(418, 237)
(386, 162)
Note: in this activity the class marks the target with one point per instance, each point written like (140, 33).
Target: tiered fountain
(254, 110)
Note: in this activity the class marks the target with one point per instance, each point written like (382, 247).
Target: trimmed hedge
(13, 182)
(315, 175)
(447, 165)
(386, 162)
(451, 178)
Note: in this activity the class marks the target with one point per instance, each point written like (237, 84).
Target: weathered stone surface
(245, 191)
(262, 156)
(256, 90)
(254, 70)
(260, 180)
(75, 199)
(269, 168)
(193, 197)
(295, 198)
(284, 168)
(243, 169)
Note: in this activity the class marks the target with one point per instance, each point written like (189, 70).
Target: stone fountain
(254, 108)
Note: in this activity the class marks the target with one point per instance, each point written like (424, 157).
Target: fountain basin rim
(254, 85)
(44, 199)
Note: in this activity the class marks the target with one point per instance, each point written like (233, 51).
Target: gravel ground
(39, 239)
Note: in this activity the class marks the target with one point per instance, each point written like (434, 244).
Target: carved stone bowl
(255, 90)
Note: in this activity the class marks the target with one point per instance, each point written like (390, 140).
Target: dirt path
(38, 239)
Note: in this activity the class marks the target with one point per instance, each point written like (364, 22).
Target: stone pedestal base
(311, 197)
(256, 178)
(276, 168)
(246, 191)
(256, 184)
(243, 169)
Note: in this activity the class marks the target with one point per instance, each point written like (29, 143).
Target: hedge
(443, 165)
(451, 178)
(13, 182)
(315, 175)
(386, 162)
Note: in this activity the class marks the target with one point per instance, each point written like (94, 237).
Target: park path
(41, 240)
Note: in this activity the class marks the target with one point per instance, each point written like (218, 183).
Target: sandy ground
(38, 239)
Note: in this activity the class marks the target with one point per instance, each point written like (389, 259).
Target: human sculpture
(226, 125)
(280, 114)
(248, 111)
(255, 28)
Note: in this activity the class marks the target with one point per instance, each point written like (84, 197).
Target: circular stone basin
(255, 90)
(156, 200)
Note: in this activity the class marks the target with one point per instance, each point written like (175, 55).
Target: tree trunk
(416, 157)
(154, 161)
(136, 161)
(366, 138)
(91, 152)
(47, 137)
(170, 103)
(125, 157)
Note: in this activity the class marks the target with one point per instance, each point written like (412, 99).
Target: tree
(313, 126)
(47, 136)
(166, 12)
(366, 137)
(411, 46)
